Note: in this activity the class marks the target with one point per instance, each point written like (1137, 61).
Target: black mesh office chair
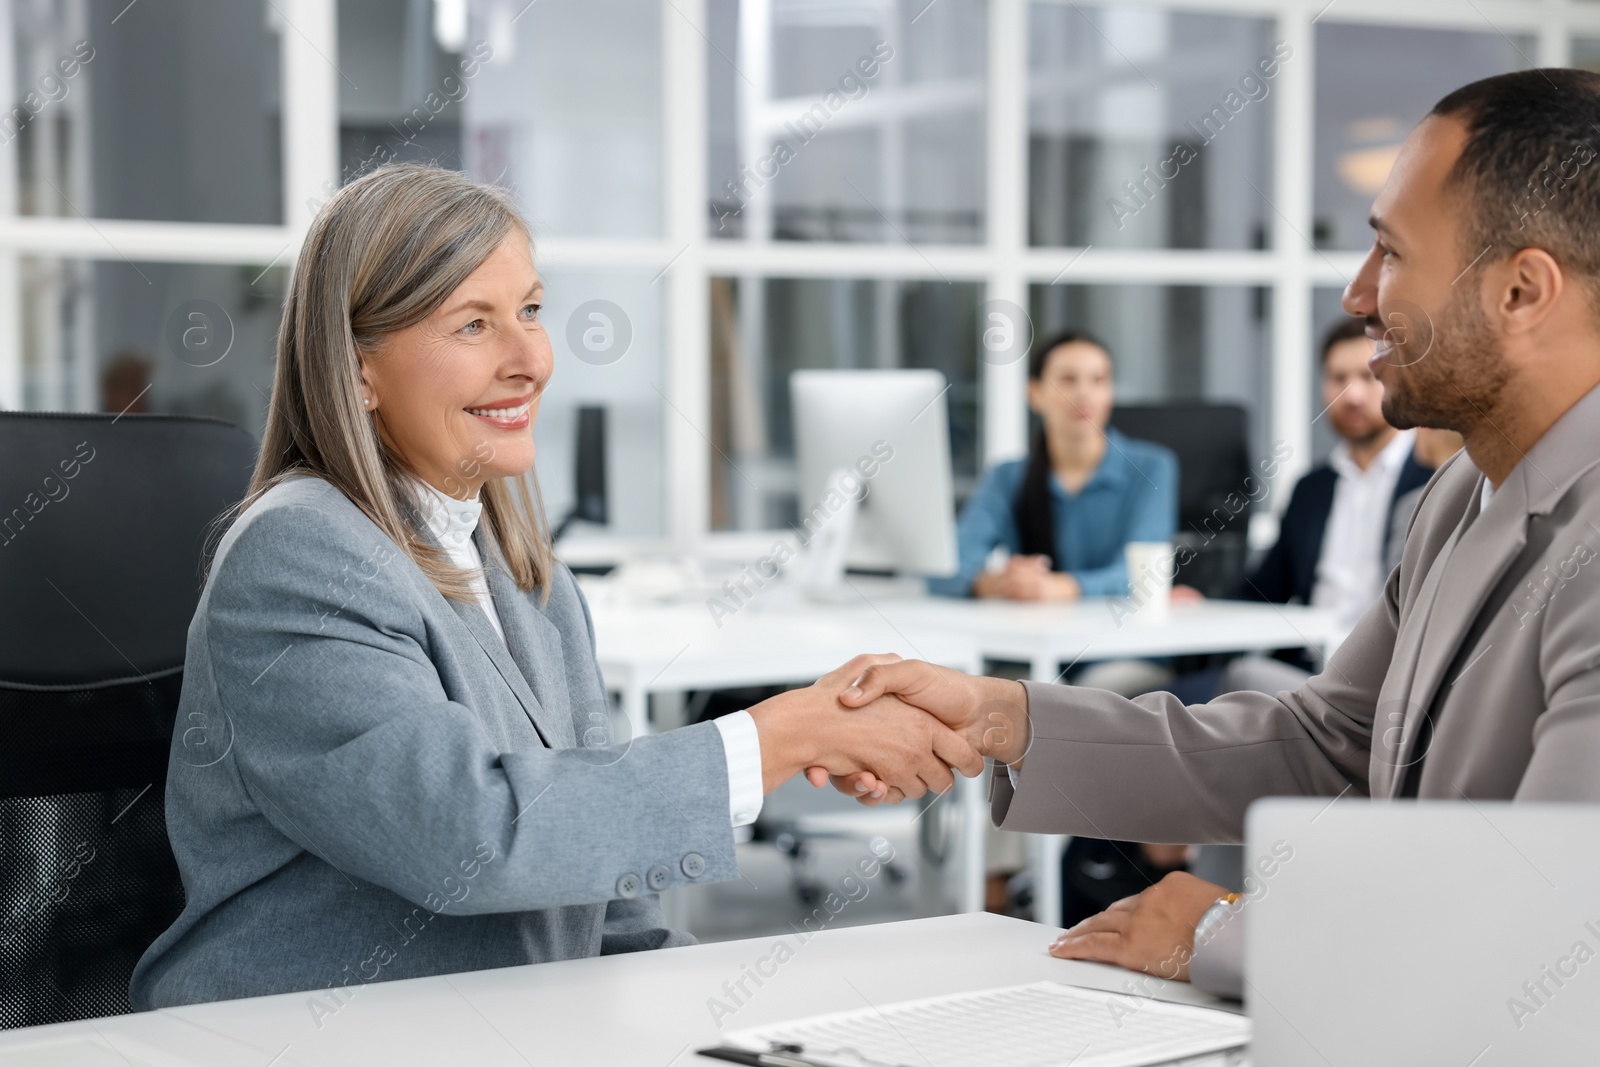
(103, 521)
(1212, 443)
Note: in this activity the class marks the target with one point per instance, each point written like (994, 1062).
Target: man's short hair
(1529, 171)
(1340, 332)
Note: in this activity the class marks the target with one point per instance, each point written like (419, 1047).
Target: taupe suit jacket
(1489, 627)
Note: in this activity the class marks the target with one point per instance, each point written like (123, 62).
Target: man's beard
(1457, 379)
(1363, 434)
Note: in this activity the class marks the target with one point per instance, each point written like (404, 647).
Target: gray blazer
(1477, 675)
(364, 784)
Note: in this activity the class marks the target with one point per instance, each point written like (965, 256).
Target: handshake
(884, 729)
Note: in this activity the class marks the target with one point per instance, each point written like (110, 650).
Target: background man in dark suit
(1333, 537)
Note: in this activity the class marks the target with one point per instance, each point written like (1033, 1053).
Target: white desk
(781, 638)
(778, 637)
(1050, 636)
(647, 1009)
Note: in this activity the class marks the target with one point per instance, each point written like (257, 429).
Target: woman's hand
(904, 751)
(990, 714)
(1058, 585)
(1027, 578)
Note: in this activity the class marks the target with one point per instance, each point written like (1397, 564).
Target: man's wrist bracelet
(1214, 917)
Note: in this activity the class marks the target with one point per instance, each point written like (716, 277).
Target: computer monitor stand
(822, 561)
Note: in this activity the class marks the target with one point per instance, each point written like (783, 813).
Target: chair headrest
(103, 522)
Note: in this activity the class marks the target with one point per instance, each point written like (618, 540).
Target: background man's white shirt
(1350, 573)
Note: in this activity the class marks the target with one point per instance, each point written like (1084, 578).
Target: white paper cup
(1151, 566)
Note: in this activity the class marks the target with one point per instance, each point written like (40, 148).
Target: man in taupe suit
(1477, 675)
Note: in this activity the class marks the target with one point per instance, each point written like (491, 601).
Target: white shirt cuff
(741, 744)
(1016, 776)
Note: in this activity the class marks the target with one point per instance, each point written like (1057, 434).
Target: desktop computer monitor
(590, 500)
(874, 462)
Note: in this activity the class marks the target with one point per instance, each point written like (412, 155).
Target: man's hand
(896, 745)
(990, 714)
(1151, 932)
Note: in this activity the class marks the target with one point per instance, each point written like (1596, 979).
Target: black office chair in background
(1214, 472)
(1212, 443)
(103, 524)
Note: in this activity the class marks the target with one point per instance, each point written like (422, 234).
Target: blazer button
(694, 865)
(628, 886)
(658, 877)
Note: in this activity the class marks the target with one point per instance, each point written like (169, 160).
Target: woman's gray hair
(383, 254)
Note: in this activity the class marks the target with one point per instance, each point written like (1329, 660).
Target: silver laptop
(1462, 933)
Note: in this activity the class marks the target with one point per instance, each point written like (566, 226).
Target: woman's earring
(366, 401)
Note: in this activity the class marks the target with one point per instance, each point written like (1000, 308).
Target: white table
(646, 1009)
(779, 637)
(646, 648)
(1050, 637)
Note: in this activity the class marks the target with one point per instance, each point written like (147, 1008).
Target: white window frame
(690, 257)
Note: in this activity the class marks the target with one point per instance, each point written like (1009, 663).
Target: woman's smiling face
(456, 395)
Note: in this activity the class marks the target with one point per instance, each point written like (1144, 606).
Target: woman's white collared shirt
(452, 523)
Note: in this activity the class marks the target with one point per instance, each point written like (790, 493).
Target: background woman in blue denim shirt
(1083, 493)
(1065, 514)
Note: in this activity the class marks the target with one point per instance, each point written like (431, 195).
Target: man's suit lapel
(1475, 560)
(1464, 572)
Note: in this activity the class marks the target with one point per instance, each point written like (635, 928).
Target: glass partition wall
(723, 191)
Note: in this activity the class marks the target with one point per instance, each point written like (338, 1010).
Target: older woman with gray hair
(420, 776)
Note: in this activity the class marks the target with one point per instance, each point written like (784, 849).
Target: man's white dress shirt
(1350, 573)
(452, 522)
